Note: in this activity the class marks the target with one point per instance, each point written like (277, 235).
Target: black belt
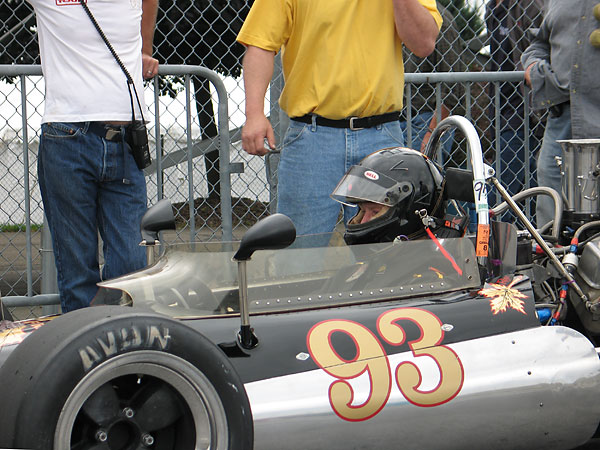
(111, 133)
(354, 123)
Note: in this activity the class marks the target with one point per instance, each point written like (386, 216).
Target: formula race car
(454, 341)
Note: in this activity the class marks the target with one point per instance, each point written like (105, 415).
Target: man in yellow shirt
(344, 83)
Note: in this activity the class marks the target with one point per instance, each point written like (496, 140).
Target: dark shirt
(501, 49)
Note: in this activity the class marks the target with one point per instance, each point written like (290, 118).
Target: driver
(398, 192)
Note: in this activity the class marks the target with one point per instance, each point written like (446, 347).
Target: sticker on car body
(371, 359)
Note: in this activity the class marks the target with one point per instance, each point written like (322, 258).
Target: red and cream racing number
(371, 360)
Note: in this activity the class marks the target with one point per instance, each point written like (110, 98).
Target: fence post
(49, 284)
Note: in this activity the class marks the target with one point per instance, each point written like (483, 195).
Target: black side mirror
(271, 233)
(158, 217)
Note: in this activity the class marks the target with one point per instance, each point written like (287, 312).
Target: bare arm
(258, 71)
(445, 112)
(528, 74)
(415, 26)
(149, 11)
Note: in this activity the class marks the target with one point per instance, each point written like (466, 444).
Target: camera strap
(130, 82)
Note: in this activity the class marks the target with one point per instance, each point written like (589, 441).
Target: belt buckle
(352, 127)
(112, 133)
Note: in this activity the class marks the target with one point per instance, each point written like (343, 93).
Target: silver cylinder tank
(580, 172)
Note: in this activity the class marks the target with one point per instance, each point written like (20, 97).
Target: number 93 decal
(371, 360)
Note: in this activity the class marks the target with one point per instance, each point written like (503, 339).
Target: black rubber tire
(61, 363)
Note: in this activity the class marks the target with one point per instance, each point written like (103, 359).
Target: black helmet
(401, 179)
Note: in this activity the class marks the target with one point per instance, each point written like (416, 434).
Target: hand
(254, 132)
(528, 74)
(426, 138)
(427, 135)
(149, 66)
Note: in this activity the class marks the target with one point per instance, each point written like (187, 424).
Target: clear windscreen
(202, 279)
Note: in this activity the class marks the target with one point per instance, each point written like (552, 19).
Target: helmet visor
(361, 184)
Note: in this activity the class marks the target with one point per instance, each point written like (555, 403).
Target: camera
(137, 138)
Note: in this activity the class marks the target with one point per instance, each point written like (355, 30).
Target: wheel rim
(142, 399)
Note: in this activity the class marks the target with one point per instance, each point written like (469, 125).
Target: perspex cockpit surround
(201, 278)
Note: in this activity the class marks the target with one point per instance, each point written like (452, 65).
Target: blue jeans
(510, 165)
(419, 128)
(548, 172)
(510, 168)
(513, 166)
(90, 185)
(313, 161)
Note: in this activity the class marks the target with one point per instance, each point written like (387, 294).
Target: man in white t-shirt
(88, 178)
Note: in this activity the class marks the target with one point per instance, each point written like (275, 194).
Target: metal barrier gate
(247, 186)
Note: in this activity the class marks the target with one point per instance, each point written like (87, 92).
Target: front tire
(108, 378)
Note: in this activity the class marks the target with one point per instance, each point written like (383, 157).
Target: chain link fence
(195, 134)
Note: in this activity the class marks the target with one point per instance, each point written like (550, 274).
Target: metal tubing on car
(556, 197)
(538, 238)
(584, 227)
(245, 333)
(149, 255)
(477, 164)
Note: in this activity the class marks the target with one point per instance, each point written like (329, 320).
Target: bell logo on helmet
(371, 175)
